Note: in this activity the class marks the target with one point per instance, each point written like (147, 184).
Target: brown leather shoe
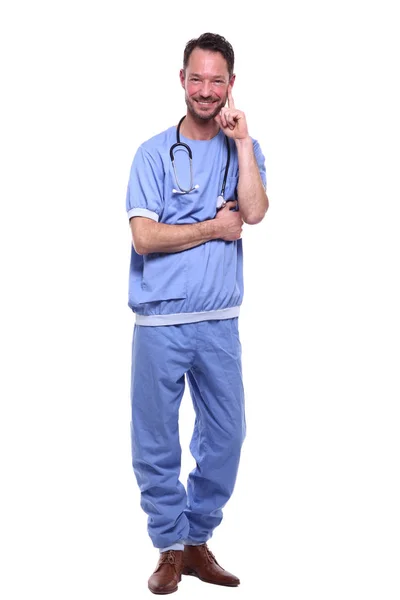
(168, 572)
(201, 562)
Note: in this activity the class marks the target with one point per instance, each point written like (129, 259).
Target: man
(186, 288)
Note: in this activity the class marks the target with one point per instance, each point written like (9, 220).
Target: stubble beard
(201, 116)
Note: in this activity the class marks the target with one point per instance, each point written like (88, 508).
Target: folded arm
(150, 236)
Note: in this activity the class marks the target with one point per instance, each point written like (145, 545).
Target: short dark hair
(213, 42)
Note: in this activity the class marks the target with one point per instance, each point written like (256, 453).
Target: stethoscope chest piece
(221, 202)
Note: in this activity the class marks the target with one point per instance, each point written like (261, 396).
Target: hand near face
(232, 121)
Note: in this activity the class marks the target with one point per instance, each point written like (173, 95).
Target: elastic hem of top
(143, 212)
(180, 318)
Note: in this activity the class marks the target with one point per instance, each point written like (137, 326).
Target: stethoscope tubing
(177, 144)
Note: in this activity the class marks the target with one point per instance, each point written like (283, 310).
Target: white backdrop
(315, 510)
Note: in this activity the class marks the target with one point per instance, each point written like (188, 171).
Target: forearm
(253, 201)
(160, 237)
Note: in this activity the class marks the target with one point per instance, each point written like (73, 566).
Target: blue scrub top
(204, 282)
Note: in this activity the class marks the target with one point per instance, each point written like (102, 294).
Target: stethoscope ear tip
(196, 187)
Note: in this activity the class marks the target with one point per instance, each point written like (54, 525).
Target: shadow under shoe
(168, 572)
(200, 562)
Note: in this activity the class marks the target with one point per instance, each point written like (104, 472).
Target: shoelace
(209, 554)
(168, 557)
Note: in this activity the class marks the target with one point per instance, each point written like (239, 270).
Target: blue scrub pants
(208, 354)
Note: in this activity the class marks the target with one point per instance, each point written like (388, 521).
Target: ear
(182, 78)
(232, 81)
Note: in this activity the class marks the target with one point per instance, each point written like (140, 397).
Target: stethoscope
(220, 200)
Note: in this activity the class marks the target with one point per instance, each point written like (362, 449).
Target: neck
(197, 129)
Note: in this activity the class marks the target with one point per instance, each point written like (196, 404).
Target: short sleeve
(260, 158)
(144, 196)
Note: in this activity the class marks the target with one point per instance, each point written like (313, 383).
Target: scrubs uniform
(187, 307)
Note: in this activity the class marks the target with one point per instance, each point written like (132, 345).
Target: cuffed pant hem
(191, 543)
(177, 546)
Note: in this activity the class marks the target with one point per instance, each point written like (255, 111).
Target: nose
(205, 91)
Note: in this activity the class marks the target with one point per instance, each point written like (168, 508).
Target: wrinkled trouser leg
(160, 358)
(216, 387)
(209, 353)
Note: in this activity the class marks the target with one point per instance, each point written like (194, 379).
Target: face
(206, 81)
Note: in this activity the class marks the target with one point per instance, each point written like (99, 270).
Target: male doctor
(186, 288)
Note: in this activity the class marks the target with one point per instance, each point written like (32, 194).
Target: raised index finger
(231, 103)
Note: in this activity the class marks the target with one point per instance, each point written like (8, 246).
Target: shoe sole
(194, 574)
(164, 593)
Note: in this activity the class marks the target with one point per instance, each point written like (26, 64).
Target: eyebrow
(214, 77)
